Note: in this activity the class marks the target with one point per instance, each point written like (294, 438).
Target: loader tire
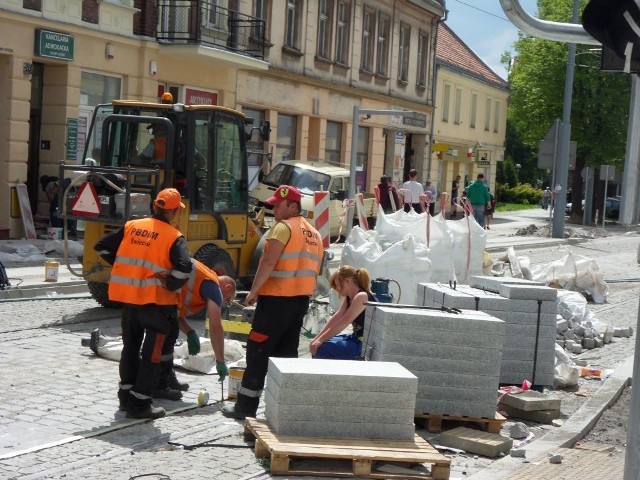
(100, 293)
(216, 259)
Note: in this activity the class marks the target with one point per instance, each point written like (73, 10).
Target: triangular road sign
(86, 203)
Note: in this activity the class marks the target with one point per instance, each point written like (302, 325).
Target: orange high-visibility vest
(159, 148)
(191, 300)
(142, 259)
(296, 270)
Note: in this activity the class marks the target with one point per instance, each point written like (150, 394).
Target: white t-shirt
(415, 190)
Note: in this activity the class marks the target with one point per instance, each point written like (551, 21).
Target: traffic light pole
(562, 173)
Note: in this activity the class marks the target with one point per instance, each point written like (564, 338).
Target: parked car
(612, 208)
(309, 177)
(567, 208)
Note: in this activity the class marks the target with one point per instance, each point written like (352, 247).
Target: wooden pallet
(433, 421)
(344, 457)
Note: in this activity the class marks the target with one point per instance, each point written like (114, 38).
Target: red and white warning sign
(86, 203)
(321, 216)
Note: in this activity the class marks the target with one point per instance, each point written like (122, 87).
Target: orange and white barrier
(362, 214)
(321, 216)
(343, 218)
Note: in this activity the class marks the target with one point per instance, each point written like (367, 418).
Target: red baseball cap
(284, 192)
(168, 199)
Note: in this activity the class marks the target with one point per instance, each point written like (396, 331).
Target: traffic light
(615, 24)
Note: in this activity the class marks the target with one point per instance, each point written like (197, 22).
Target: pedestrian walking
(432, 194)
(546, 198)
(413, 191)
(354, 285)
(489, 210)
(283, 284)
(478, 195)
(388, 191)
(151, 263)
(455, 186)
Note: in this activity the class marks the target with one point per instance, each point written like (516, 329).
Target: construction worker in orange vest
(156, 150)
(204, 290)
(151, 263)
(284, 282)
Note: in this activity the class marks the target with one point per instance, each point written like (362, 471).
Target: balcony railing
(205, 23)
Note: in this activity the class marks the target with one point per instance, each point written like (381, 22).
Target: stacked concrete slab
(529, 310)
(340, 399)
(456, 356)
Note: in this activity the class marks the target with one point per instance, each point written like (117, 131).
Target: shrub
(523, 193)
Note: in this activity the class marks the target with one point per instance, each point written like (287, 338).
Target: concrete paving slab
(538, 416)
(531, 400)
(475, 441)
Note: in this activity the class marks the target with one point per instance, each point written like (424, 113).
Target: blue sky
(484, 27)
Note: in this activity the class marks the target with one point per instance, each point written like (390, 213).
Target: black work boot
(244, 407)
(139, 408)
(149, 412)
(173, 382)
(123, 399)
(167, 393)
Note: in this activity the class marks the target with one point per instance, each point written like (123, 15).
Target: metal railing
(206, 23)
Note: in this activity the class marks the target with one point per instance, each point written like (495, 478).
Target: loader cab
(197, 149)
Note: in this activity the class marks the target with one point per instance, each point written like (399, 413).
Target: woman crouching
(354, 285)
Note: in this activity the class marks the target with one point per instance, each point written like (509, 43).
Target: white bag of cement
(573, 272)
(395, 226)
(469, 242)
(566, 373)
(442, 252)
(74, 249)
(573, 306)
(432, 231)
(407, 262)
(205, 362)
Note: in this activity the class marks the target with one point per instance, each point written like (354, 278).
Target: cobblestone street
(59, 412)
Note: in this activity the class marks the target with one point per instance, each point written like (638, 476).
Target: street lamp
(518, 167)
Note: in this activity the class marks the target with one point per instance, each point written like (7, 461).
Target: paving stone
(331, 429)
(458, 394)
(320, 374)
(461, 408)
(347, 397)
(336, 411)
(475, 441)
(538, 416)
(528, 292)
(531, 400)
(492, 284)
(339, 416)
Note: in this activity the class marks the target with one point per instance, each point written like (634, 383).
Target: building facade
(303, 65)
(471, 115)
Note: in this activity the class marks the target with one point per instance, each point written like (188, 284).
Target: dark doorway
(33, 158)
(408, 157)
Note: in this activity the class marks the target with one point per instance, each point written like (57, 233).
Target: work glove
(193, 341)
(222, 370)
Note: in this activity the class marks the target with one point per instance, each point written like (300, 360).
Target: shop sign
(72, 139)
(54, 45)
(200, 97)
(415, 120)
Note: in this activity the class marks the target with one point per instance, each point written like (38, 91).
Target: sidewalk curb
(574, 429)
(44, 291)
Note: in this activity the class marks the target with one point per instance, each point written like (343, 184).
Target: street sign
(546, 153)
(607, 172)
(86, 203)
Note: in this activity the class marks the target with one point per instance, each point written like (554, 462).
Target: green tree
(600, 106)
(521, 154)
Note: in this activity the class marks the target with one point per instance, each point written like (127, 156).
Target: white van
(309, 177)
